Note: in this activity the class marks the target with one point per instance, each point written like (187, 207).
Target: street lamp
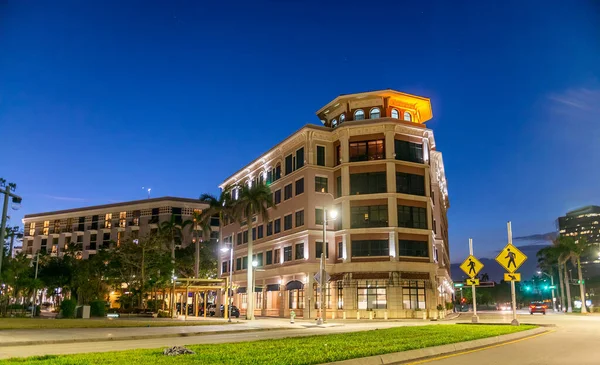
(7, 190)
(230, 286)
(552, 284)
(322, 305)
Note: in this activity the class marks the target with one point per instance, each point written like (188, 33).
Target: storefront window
(296, 299)
(413, 295)
(340, 295)
(372, 295)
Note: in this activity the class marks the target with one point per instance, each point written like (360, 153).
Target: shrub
(440, 307)
(98, 308)
(449, 305)
(67, 307)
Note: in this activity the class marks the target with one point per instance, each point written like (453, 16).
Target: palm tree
(547, 260)
(200, 226)
(172, 230)
(574, 250)
(252, 200)
(222, 207)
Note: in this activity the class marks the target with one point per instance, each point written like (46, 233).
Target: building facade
(376, 164)
(98, 226)
(582, 222)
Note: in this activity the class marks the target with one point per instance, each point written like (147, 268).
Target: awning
(273, 287)
(241, 290)
(294, 284)
(370, 275)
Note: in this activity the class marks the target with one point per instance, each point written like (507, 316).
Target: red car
(537, 307)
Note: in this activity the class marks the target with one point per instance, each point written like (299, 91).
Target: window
(122, 219)
(366, 248)
(287, 192)
(260, 231)
(46, 228)
(269, 228)
(177, 213)
(299, 186)
(338, 190)
(413, 295)
(434, 225)
(300, 218)
(408, 151)
(277, 196)
(93, 239)
(277, 256)
(413, 248)
(407, 116)
(371, 295)
(319, 249)
(239, 238)
(244, 262)
(44, 244)
(259, 259)
(412, 217)
(359, 114)
(321, 155)
(253, 233)
(340, 295)
(342, 118)
(369, 216)
(32, 229)
(269, 257)
(277, 172)
(224, 266)
(299, 158)
(340, 250)
(277, 225)
(319, 216)
(287, 222)
(321, 184)
(375, 113)
(367, 150)
(106, 239)
(334, 123)
(368, 183)
(395, 114)
(299, 251)
(338, 155)
(287, 254)
(245, 234)
(296, 299)
(289, 166)
(410, 184)
(238, 263)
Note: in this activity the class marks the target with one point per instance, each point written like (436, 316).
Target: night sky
(100, 99)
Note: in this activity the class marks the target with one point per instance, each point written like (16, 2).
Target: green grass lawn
(39, 323)
(299, 350)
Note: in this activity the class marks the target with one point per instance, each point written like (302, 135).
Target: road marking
(479, 349)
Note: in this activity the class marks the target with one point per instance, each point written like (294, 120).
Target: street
(574, 340)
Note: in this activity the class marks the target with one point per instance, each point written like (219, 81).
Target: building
(374, 161)
(97, 226)
(582, 222)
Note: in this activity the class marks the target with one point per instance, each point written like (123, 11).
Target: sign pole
(475, 318)
(514, 321)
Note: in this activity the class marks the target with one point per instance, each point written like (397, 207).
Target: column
(389, 141)
(392, 243)
(309, 299)
(390, 177)
(347, 246)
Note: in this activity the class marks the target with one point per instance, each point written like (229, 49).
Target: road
(574, 340)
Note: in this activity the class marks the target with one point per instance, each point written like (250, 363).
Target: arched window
(334, 123)
(375, 113)
(407, 116)
(342, 118)
(359, 115)
(395, 114)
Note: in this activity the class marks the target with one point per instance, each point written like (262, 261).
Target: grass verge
(298, 350)
(39, 323)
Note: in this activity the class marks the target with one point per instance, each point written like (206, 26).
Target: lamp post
(323, 282)
(7, 190)
(230, 286)
(551, 283)
(254, 270)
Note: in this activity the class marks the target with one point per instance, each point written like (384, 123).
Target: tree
(574, 250)
(252, 200)
(563, 252)
(172, 230)
(547, 261)
(200, 226)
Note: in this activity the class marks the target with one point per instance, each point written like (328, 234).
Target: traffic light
(527, 288)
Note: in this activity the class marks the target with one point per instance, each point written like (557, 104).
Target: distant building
(97, 226)
(376, 163)
(583, 222)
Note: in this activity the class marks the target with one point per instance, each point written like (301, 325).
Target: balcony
(93, 227)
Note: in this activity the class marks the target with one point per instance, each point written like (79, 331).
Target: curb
(411, 355)
(129, 338)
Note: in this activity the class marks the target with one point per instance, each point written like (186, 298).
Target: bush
(440, 307)
(163, 314)
(15, 306)
(449, 305)
(98, 308)
(67, 307)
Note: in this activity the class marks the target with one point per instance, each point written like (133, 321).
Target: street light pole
(6, 190)
(552, 284)
(230, 286)
(322, 272)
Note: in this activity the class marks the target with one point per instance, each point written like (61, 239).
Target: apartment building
(373, 161)
(97, 226)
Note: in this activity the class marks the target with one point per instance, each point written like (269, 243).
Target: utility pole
(6, 189)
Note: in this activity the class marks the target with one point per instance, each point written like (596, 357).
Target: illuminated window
(334, 123)
(407, 116)
(395, 114)
(107, 220)
(46, 227)
(32, 228)
(342, 118)
(375, 113)
(122, 219)
(359, 114)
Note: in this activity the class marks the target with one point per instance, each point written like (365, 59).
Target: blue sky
(98, 99)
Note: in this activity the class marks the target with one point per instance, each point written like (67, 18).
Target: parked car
(537, 307)
(235, 312)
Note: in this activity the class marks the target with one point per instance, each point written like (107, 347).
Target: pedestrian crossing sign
(472, 281)
(471, 266)
(512, 276)
(511, 258)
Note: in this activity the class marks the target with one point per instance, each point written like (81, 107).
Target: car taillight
(545, 306)
(532, 306)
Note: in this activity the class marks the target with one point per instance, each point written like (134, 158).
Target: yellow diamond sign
(471, 266)
(511, 258)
